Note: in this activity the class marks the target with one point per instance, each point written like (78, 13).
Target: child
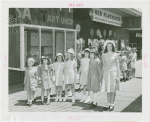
(30, 80)
(129, 58)
(133, 61)
(84, 72)
(123, 65)
(44, 71)
(58, 68)
(70, 73)
(94, 76)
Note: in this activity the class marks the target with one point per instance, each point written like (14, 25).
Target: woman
(111, 73)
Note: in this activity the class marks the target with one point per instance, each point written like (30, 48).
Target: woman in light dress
(84, 72)
(111, 74)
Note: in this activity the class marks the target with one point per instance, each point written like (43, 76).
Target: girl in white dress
(58, 68)
(70, 74)
(84, 72)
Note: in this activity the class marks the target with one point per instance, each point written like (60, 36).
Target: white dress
(70, 74)
(84, 71)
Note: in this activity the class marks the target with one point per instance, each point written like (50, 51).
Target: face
(86, 54)
(45, 61)
(30, 63)
(69, 55)
(92, 55)
(109, 47)
(59, 58)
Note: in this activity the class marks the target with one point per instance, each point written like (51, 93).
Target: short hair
(72, 57)
(61, 57)
(106, 50)
(84, 53)
(26, 64)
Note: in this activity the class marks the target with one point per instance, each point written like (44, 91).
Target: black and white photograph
(75, 59)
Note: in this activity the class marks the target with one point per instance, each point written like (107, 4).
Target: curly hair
(106, 50)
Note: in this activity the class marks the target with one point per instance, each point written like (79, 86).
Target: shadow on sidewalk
(135, 106)
(85, 106)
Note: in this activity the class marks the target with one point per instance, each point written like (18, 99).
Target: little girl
(58, 68)
(123, 65)
(30, 80)
(70, 74)
(44, 72)
(84, 72)
(94, 76)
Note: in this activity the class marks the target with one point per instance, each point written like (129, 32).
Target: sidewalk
(129, 99)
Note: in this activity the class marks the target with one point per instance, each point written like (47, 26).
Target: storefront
(37, 32)
(107, 23)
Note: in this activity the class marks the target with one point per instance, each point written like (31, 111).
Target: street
(129, 99)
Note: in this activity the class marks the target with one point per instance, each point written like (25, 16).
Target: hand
(117, 79)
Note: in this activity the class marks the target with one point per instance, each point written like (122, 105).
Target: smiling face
(86, 54)
(45, 61)
(91, 55)
(59, 58)
(109, 47)
(30, 63)
(69, 55)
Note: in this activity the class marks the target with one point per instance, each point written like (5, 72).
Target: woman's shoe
(48, 102)
(43, 103)
(111, 108)
(82, 100)
(30, 104)
(87, 101)
(106, 107)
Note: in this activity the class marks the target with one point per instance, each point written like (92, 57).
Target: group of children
(128, 63)
(63, 72)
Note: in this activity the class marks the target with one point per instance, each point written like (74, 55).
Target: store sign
(41, 16)
(138, 35)
(106, 17)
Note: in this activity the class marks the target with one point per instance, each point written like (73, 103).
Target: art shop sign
(106, 17)
(53, 17)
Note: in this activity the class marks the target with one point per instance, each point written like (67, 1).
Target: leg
(60, 93)
(89, 98)
(73, 92)
(56, 94)
(113, 95)
(48, 96)
(66, 89)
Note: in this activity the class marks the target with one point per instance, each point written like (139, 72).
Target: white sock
(48, 97)
(83, 97)
(42, 98)
(112, 104)
(95, 97)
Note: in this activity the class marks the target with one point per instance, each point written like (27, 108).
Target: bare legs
(73, 91)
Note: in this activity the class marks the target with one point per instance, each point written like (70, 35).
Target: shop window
(65, 9)
(14, 47)
(70, 40)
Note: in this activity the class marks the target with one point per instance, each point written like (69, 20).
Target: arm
(117, 65)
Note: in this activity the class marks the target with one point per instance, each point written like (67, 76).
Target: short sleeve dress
(46, 82)
(123, 63)
(30, 81)
(133, 61)
(84, 71)
(94, 75)
(70, 75)
(110, 73)
(59, 70)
